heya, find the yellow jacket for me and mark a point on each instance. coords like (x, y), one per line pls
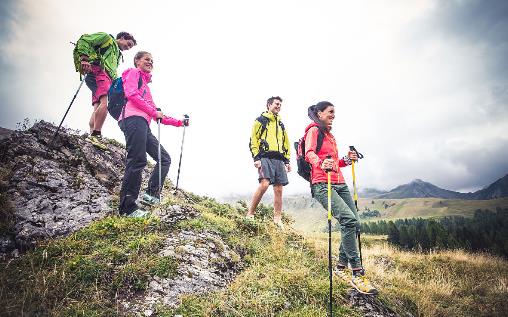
(269, 138)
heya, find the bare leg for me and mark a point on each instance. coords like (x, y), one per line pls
(263, 186)
(277, 202)
(92, 117)
(100, 113)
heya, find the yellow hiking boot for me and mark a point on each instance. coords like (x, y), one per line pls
(97, 142)
(362, 284)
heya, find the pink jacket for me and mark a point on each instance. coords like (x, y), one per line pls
(329, 147)
(139, 101)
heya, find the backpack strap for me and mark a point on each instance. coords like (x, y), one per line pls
(264, 121)
(320, 139)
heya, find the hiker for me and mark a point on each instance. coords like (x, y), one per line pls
(134, 121)
(269, 146)
(343, 207)
(97, 55)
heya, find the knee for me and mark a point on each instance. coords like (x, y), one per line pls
(165, 159)
(138, 161)
(263, 185)
(277, 190)
(349, 221)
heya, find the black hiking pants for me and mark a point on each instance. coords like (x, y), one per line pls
(139, 140)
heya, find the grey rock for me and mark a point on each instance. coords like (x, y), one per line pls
(197, 273)
(57, 190)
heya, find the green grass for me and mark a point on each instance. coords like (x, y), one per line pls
(86, 273)
(87, 270)
(443, 283)
(285, 277)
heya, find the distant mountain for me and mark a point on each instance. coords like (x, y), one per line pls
(420, 189)
(497, 189)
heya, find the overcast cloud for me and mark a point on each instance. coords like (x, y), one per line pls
(420, 87)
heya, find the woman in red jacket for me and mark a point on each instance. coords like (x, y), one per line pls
(343, 208)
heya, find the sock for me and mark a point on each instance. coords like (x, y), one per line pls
(341, 266)
(358, 272)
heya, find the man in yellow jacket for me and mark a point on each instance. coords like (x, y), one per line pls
(269, 146)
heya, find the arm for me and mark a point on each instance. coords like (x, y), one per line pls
(254, 140)
(172, 121)
(133, 94)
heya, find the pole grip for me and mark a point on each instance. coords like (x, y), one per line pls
(353, 149)
(328, 157)
(159, 119)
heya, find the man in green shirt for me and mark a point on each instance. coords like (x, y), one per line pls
(97, 55)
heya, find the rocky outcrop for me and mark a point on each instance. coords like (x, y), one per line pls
(370, 306)
(205, 263)
(55, 190)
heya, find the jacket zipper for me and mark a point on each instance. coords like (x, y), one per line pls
(277, 133)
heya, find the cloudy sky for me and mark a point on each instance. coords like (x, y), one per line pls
(420, 87)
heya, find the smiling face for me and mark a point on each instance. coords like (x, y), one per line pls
(145, 63)
(124, 44)
(274, 107)
(327, 115)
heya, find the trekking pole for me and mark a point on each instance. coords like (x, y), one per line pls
(159, 155)
(186, 117)
(69, 108)
(328, 172)
(355, 195)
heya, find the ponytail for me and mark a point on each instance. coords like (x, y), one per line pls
(313, 113)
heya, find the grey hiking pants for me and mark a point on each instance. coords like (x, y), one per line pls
(139, 140)
(344, 210)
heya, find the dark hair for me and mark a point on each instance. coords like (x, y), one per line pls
(126, 36)
(271, 100)
(139, 55)
(314, 109)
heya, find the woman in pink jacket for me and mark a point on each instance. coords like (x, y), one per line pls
(139, 111)
(343, 207)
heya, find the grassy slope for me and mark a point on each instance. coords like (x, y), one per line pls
(84, 274)
(429, 207)
(314, 219)
(445, 283)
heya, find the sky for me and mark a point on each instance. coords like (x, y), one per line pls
(420, 87)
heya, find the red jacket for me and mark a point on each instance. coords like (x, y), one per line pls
(329, 147)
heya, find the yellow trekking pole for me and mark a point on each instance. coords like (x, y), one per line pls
(355, 195)
(328, 172)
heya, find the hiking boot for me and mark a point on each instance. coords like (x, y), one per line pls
(139, 213)
(149, 200)
(362, 284)
(343, 272)
(97, 142)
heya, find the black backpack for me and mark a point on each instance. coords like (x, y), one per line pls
(116, 97)
(304, 168)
